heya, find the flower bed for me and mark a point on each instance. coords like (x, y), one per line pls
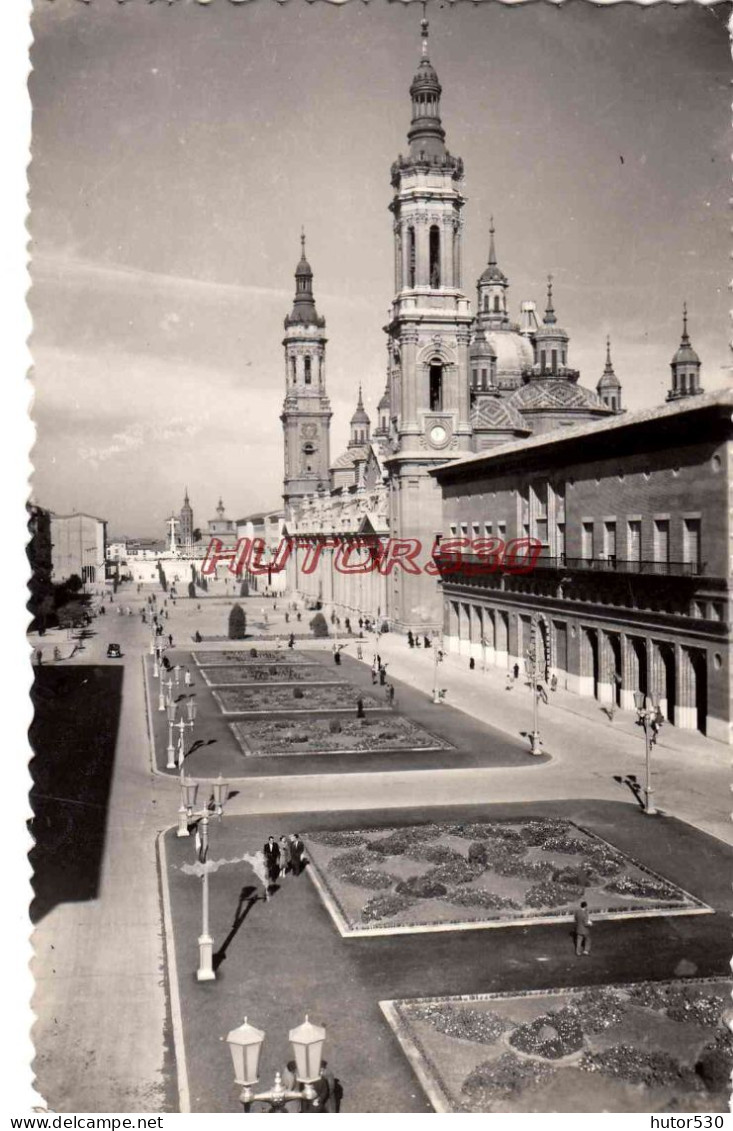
(252, 655)
(258, 674)
(270, 700)
(480, 873)
(535, 1051)
(281, 737)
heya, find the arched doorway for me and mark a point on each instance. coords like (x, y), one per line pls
(699, 665)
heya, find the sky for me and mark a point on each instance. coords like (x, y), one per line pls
(178, 149)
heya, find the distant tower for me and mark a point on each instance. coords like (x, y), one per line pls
(685, 367)
(306, 413)
(381, 432)
(551, 346)
(360, 425)
(609, 386)
(492, 289)
(220, 510)
(185, 527)
(501, 350)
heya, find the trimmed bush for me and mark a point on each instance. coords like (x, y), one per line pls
(318, 626)
(237, 623)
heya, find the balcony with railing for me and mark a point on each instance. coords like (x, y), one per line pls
(455, 562)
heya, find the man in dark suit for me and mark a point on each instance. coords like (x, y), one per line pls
(297, 849)
(272, 859)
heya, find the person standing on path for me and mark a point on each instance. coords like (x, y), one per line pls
(272, 860)
(297, 852)
(390, 694)
(286, 864)
(582, 930)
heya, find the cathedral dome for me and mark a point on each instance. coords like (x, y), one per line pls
(514, 354)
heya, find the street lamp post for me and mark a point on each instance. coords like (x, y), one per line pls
(437, 655)
(170, 751)
(245, 1045)
(164, 693)
(183, 725)
(534, 738)
(648, 713)
(189, 789)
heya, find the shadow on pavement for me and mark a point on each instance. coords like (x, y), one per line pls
(74, 737)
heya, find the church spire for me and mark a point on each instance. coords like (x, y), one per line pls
(304, 305)
(685, 366)
(426, 134)
(609, 386)
(550, 318)
(492, 247)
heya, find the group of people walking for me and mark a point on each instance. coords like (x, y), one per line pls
(283, 857)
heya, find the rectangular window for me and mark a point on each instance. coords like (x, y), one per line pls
(633, 551)
(561, 540)
(501, 529)
(453, 530)
(464, 530)
(475, 529)
(661, 539)
(488, 529)
(691, 541)
(541, 530)
(586, 541)
(609, 541)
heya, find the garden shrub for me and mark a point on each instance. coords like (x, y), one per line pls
(298, 693)
(641, 888)
(237, 623)
(505, 1076)
(523, 869)
(550, 895)
(318, 626)
(599, 1009)
(422, 887)
(655, 1069)
(334, 726)
(478, 897)
(456, 872)
(346, 838)
(382, 906)
(467, 1024)
(553, 1035)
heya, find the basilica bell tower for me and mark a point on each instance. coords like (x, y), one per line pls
(306, 414)
(429, 336)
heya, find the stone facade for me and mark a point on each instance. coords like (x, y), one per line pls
(632, 589)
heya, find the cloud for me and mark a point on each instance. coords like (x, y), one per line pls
(135, 437)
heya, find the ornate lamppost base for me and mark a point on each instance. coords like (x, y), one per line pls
(205, 972)
(182, 829)
(535, 741)
(171, 763)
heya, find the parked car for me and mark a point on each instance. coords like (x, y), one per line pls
(114, 652)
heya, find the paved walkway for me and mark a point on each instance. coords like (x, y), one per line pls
(99, 965)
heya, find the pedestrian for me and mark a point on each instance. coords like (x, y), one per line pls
(417, 642)
(337, 657)
(165, 613)
(360, 708)
(382, 675)
(272, 860)
(582, 929)
(509, 681)
(542, 692)
(553, 682)
(298, 616)
(286, 864)
(390, 694)
(197, 637)
(374, 675)
(287, 618)
(410, 640)
(359, 652)
(187, 677)
(297, 853)
(516, 671)
(326, 1091)
(170, 641)
(471, 664)
(361, 622)
(379, 660)
(56, 652)
(426, 641)
(347, 626)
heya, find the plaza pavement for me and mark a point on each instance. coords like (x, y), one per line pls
(100, 993)
(277, 961)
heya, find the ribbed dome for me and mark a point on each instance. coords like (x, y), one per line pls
(304, 267)
(360, 416)
(686, 353)
(426, 78)
(514, 353)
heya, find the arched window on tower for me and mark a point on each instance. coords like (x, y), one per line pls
(436, 386)
(497, 305)
(554, 361)
(307, 369)
(486, 303)
(434, 256)
(293, 373)
(308, 453)
(411, 257)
